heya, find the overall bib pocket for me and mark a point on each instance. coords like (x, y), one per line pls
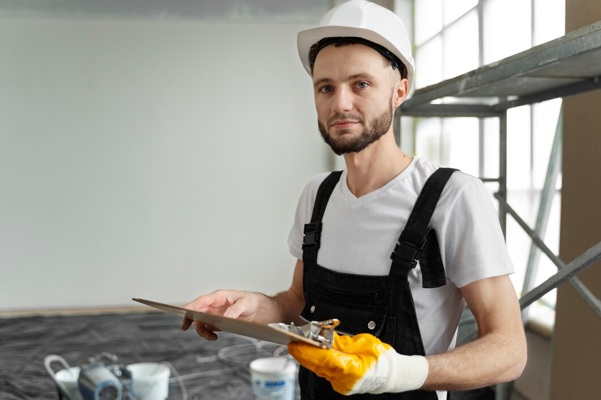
(355, 311)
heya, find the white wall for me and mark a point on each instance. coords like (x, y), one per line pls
(159, 159)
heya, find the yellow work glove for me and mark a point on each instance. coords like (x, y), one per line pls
(362, 364)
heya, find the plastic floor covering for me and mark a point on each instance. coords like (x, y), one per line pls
(199, 369)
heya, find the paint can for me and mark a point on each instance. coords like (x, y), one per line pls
(273, 378)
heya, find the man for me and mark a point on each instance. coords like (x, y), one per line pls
(351, 262)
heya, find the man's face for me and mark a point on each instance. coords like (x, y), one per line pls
(356, 92)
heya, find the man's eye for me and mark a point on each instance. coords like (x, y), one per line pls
(325, 89)
(362, 85)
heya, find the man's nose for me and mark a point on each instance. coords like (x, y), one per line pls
(343, 100)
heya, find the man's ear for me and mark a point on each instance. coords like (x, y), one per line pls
(401, 90)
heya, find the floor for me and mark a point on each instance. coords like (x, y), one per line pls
(199, 369)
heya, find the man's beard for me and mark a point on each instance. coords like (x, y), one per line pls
(378, 127)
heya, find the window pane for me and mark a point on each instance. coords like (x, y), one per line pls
(491, 147)
(427, 139)
(549, 20)
(507, 28)
(461, 46)
(460, 144)
(518, 245)
(428, 61)
(544, 125)
(428, 19)
(456, 8)
(518, 149)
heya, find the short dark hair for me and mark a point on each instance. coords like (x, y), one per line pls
(395, 62)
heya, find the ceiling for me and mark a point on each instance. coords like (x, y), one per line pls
(284, 11)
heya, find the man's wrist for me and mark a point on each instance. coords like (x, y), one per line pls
(406, 373)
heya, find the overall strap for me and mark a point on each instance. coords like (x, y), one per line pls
(418, 242)
(312, 230)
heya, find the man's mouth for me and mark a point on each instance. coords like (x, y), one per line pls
(343, 124)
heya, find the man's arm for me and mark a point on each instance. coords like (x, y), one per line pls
(250, 306)
(497, 355)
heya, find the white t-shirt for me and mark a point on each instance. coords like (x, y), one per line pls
(359, 235)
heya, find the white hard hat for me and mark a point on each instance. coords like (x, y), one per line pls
(365, 20)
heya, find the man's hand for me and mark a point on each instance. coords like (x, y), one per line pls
(250, 306)
(228, 303)
(362, 364)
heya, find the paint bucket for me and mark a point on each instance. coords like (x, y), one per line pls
(273, 378)
(151, 380)
(65, 379)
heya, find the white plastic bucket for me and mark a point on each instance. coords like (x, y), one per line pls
(66, 380)
(151, 380)
(273, 378)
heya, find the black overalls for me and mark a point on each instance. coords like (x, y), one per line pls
(380, 305)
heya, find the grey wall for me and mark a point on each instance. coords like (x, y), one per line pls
(152, 158)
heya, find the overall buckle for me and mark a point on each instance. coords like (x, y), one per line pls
(312, 236)
(405, 254)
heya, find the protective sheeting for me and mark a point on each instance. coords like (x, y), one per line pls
(199, 369)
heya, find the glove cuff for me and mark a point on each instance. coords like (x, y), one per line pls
(406, 373)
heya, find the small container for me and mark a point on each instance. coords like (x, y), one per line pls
(273, 378)
(151, 380)
(65, 379)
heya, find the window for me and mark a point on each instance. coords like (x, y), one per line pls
(452, 37)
